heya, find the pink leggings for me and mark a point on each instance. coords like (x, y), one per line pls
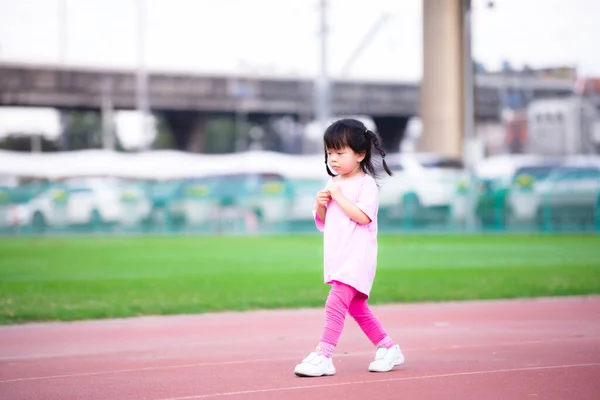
(344, 299)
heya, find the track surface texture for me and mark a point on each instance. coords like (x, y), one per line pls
(545, 348)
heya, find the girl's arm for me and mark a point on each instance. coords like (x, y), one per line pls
(351, 210)
(365, 209)
(321, 212)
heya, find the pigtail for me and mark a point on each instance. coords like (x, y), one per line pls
(376, 143)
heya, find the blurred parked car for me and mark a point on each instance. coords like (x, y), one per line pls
(93, 203)
(570, 196)
(261, 198)
(12, 198)
(160, 194)
(422, 187)
(494, 178)
(522, 196)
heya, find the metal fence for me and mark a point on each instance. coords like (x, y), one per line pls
(271, 204)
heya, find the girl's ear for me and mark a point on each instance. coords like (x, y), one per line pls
(361, 157)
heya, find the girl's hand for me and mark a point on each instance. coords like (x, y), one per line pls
(334, 190)
(323, 197)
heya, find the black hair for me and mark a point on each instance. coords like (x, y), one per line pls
(355, 135)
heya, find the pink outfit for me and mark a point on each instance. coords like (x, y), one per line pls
(350, 262)
(350, 249)
(344, 299)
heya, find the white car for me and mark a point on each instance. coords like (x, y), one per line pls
(568, 196)
(523, 196)
(501, 169)
(260, 199)
(492, 182)
(422, 188)
(86, 203)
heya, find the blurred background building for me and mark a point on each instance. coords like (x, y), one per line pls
(207, 111)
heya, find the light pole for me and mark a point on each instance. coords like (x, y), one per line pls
(468, 86)
(62, 32)
(63, 43)
(142, 75)
(469, 145)
(323, 84)
(107, 111)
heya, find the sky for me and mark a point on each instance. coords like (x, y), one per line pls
(276, 37)
(281, 37)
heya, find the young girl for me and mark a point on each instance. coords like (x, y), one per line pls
(346, 211)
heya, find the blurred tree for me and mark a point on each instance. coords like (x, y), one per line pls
(272, 138)
(164, 136)
(82, 130)
(24, 143)
(220, 135)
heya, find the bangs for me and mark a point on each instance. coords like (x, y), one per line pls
(335, 137)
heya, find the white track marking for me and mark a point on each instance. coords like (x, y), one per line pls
(408, 378)
(252, 361)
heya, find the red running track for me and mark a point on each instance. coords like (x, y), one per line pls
(516, 349)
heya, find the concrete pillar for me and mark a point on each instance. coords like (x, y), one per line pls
(442, 103)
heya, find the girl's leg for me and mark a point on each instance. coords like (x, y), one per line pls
(336, 307)
(368, 322)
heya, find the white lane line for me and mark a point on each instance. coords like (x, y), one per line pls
(253, 361)
(408, 378)
(40, 356)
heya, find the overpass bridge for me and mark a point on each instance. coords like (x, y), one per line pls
(187, 100)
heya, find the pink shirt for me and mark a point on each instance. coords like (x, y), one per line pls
(350, 249)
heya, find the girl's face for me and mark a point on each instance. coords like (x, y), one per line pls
(344, 161)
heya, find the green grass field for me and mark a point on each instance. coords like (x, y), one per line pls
(80, 278)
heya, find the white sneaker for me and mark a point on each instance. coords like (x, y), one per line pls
(315, 365)
(386, 359)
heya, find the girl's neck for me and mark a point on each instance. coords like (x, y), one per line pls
(353, 174)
